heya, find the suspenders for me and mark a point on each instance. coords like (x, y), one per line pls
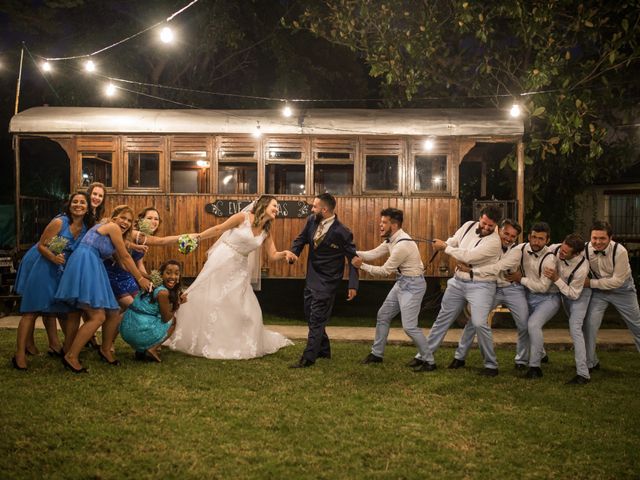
(575, 270)
(403, 240)
(613, 259)
(524, 274)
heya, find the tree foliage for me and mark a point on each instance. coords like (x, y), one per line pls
(572, 64)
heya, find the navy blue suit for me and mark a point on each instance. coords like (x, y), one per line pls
(325, 268)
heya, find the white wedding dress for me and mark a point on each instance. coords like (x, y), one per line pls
(222, 317)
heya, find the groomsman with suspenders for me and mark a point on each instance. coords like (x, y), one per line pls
(510, 294)
(568, 276)
(476, 244)
(406, 295)
(611, 283)
(542, 295)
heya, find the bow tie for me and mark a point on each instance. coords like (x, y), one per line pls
(504, 249)
(600, 252)
(533, 253)
(388, 240)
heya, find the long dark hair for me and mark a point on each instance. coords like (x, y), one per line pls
(100, 209)
(88, 219)
(259, 211)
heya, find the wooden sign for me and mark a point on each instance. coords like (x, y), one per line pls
(286, 208)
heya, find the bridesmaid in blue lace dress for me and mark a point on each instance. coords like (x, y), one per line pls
(150, 320)
(85, 285)
(40, 270)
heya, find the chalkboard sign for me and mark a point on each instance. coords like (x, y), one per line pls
(286, 208)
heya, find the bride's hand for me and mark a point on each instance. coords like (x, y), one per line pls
(290, 257)
(183, 298)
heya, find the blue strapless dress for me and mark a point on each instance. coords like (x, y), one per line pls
(37, 278)
(142, 326)
(85, 282)
(122, 282)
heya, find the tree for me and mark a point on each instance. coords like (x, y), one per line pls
(573, 65)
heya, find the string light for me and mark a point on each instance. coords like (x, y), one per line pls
(428, 144)
(89, 66)
(287, 111)
(46, 67)
(166, 35)
(515, 110)
(110, 90)
(257, 133)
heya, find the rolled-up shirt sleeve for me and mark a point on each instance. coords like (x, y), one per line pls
(399, 254)
(480, 254)
(620, 274)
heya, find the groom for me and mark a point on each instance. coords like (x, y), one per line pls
(329, 243)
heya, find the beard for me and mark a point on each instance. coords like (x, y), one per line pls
(318, 217)
(482, 233)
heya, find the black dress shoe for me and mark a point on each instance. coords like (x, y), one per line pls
(325, 356)
(534, 372)
(425, 367)
(595, 367)
(415, 362)
(578, 380)
(371, 358)
(456, 364)
(489, 372)
(14, 362)
(545, 359)
(520, 366)
(302, 363)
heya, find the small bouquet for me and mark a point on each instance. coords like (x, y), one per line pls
(156, 278)
(57, 244)
(187, 244)
(144, 226)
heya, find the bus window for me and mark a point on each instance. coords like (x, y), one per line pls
(97, 167)
(382, 173)
(285, 179)
(144, 170)
(238, 178)
(430, 174)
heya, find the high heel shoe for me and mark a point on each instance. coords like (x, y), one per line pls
(14, 362)
(53, 353)
(93, 344)
(67, 365)
(115, 363)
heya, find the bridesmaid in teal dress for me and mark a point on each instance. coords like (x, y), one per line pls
(41, 269)
(150, 320)
(85, 286)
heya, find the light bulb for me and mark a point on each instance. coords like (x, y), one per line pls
(428, 144)
(46, 66)
(110, 90)
(515, 110)
(257, 133)
(286, 111)
(89, 66)
(166, 35)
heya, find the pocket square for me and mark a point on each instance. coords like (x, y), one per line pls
(333, 245)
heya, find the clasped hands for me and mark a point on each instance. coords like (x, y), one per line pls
(290, 257)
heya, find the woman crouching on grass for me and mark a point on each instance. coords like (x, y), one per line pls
(85, 285)
(150, 320)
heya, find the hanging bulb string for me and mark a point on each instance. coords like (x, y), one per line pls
(119, 42)
(35, 63)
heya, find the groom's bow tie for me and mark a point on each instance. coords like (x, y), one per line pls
(600, 252)
(533, 253)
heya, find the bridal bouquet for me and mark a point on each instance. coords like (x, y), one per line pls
(57, 244)
(144, 226)
(156, 278)
(187, 244)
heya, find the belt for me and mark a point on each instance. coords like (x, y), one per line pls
(234, 248)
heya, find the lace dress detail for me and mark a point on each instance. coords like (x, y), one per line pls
(222, 317)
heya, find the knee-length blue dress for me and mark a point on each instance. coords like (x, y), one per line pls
(122, 282)
(142, 326)
(37, 278)
(85, 283)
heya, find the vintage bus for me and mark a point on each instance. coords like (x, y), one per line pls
(199, 166)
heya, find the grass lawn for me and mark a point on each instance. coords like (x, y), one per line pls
(195, 418)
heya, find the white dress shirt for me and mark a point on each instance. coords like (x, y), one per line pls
(605, 276)
(468, 247)
(508, 262)
(533, 272)
(565, 268)
(403, 255)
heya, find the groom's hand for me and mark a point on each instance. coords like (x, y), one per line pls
(351, 294)
(290, 257)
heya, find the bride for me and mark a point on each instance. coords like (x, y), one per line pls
(222, 317)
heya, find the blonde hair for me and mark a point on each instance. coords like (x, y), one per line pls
(260, 211)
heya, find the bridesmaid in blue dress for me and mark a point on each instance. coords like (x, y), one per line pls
(150, 320)
(40, 271)
(85, 286)
(124, 286)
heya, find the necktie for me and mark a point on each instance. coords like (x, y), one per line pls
(317, 238)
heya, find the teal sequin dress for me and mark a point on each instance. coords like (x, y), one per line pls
(142, 326)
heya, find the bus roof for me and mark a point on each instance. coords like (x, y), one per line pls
(437, 122)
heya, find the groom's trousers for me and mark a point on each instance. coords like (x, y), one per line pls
(317, 310)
